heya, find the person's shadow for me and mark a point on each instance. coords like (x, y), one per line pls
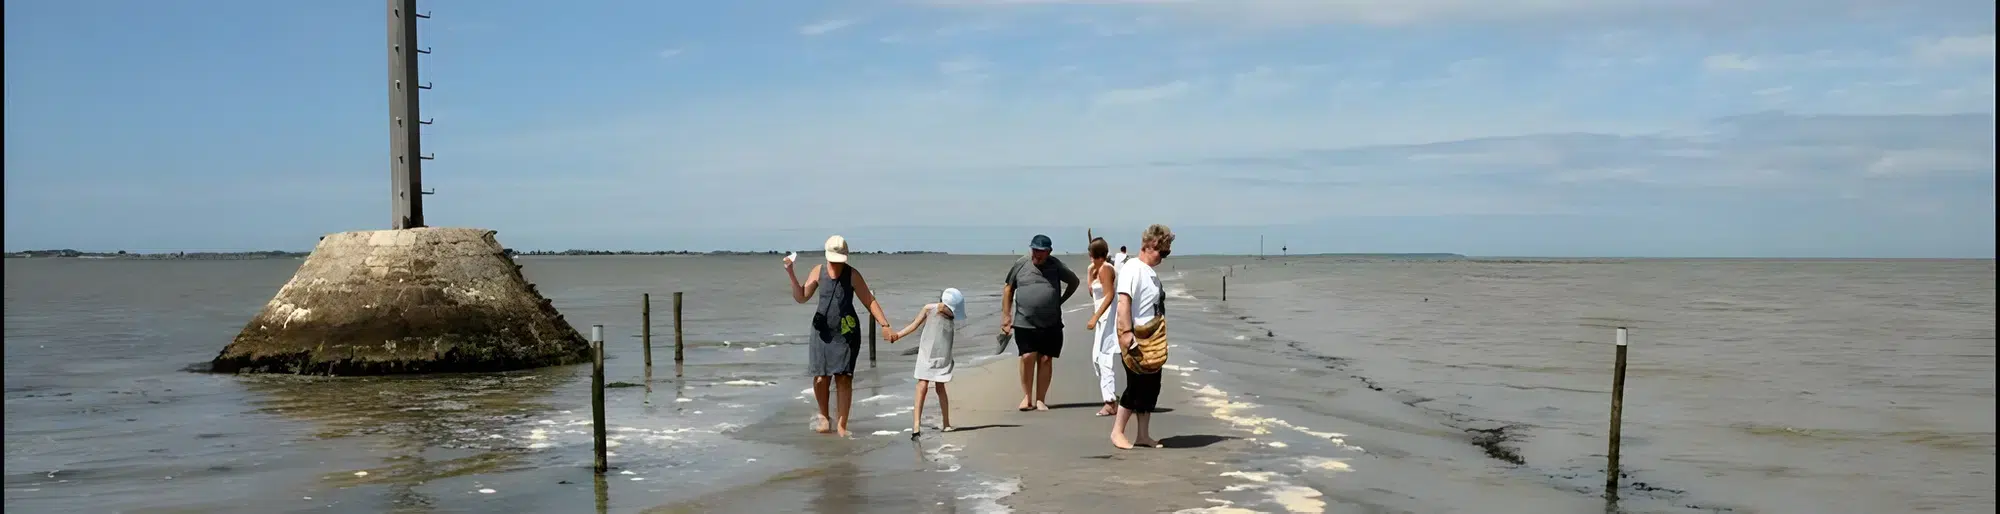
(1193, 441)
(983, 427)
(1078, 405)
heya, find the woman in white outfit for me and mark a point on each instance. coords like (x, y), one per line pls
(1104, 334)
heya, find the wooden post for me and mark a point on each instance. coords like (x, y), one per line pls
(871, 342)
(678, 355)
(597, 396)
(1225, 288)
(1617, 416)
(646, 328)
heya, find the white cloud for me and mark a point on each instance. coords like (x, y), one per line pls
(965, 69)
(1141, 95)
(671, 53)
(825, 26)
(1772, 91)
(1730, 62)
(1954, 48)
(1548, 13)
(1931, 161)
(1266, 81)
(968, 28)
(1115, 27)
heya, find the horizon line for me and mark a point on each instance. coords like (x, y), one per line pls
(705, 253)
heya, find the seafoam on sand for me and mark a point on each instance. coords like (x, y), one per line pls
(1275, 490)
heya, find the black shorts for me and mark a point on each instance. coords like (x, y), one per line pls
(1045, 341)
(1142, 391)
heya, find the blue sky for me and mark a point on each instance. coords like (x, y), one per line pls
(1753, 128)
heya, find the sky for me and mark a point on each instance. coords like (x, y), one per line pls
(1661, 128)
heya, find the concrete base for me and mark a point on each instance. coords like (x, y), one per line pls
(424, 300)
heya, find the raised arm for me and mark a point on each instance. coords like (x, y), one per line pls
(802, 292)
(868, 298)
(914, 324)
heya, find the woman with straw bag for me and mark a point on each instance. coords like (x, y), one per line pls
(1142, 336)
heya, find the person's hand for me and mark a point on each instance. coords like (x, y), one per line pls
(788, 263)
(1007, 326)
(1090, 325)
(893, 337)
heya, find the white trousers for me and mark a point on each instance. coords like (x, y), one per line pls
(1104, 358)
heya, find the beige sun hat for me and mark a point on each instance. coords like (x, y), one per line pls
(836, 249)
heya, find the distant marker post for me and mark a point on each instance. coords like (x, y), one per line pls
(597, 397)
(646, 327)
(1617, 416)
(678, 354)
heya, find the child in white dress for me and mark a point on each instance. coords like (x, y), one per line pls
(934, 362)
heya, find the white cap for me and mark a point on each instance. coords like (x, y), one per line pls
(836, 249)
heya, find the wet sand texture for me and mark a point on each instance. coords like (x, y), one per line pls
(422, 300)
(1063, 456)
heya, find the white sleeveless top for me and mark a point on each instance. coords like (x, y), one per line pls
(1098, 297)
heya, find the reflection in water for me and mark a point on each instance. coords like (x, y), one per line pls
(603, 489)
(839, 487)
(431, 427)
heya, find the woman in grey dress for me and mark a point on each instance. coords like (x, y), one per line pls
(836, 334)
(934, 362)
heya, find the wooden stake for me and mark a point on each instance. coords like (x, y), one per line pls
(646, 328)
(678, 355)
(1617, 416)
(597, 396)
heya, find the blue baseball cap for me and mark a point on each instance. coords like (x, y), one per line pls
(1041, 242)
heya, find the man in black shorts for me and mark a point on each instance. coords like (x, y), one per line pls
(1031, 303)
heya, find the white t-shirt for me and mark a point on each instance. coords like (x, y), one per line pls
(1118, 259)
(1138, 280)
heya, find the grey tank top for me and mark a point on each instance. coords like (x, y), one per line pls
(835, 320)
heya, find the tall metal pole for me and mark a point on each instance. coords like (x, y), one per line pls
(405, 149)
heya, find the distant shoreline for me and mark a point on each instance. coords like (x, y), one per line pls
(1488, 259)
(280, 254)
(209, 256)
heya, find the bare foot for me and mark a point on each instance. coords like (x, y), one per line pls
(1041, 405)
(947, 428)
(819, 424)
(1149, 443)
(845, 434)
(1107, 410)
(1025, 405)
(1119, 441)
